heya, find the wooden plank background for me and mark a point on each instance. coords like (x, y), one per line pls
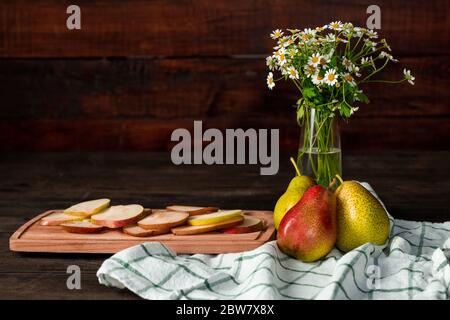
(139, 69)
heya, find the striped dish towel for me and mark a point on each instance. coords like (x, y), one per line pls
(412, 265)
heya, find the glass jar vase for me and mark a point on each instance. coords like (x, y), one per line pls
(319, 153)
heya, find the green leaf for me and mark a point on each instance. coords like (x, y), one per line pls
(309, 93)
(345, 110)
(300, 113)
(362, 97)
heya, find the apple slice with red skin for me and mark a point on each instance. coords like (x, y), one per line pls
(163, 220)
(83, 226)
(193, 211)
(119, 216)
(57, 218)
(249, 224)
(136, 231)
(188, 230)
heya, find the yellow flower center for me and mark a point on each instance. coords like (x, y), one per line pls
(348, 77)
(330, 77)
(314, 59)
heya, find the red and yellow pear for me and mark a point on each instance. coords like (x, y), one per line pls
(308, 230)
(294, 192)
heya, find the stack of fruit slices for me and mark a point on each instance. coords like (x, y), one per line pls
(96, 215)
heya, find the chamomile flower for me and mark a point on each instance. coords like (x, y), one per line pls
(270, 62)
(287, 43)
(293, 73)
(281, 56)
(349, 79)
(347, 63)
(330, 77)
(364, 60)
(310, 70)
(353, 110)
(330, 37)
(270, 82)
(317, 79)
(314, 60)
(384, 54)
(335, 25)
(276, 34)
(292, 52)
(324, 60)
(357, 32)
(372, 34)
(308, 34)
(408, 76)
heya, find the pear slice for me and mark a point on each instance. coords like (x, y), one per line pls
(83, 226)
(211, 218)
(58, 218)
(136, 231)
(163, 220)
(87, 208)
(249, 224)
(187, 230)
(193, 211)
(119, 216)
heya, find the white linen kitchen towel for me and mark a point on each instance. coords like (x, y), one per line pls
(414, 264)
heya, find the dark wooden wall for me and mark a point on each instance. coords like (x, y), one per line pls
(139, 69)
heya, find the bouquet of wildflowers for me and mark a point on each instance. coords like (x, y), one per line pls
(328, 65)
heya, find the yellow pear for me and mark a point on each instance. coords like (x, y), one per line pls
(361, 217)
(294, 192)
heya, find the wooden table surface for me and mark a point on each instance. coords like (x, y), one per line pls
(413, 185)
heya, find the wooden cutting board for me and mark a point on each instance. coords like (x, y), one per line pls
(32, 237)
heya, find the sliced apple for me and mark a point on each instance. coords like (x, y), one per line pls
(163, 220)
(58, 218)
(136, 231)
(211, 218)
(119, 216)
(193, 211)
(88, 208)
(83, 226)
(186, 230)
(248, 225)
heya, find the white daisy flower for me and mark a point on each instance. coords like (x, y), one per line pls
(357, 32)
(270, 62)
(281, 56)
(347, 63)
(292, 52)
(310, 70)
(330, 37)
(324, 60)
(353, 110)
(331, 77)
(348, 77)
(336, 25)
(293, 73)
(409, 76)
(309, 31)
(276, 34)
(384, 54)
(287, 43)
(372, 34)
(364, 60)
(270, 82)
(317, 79)
(314, 60)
